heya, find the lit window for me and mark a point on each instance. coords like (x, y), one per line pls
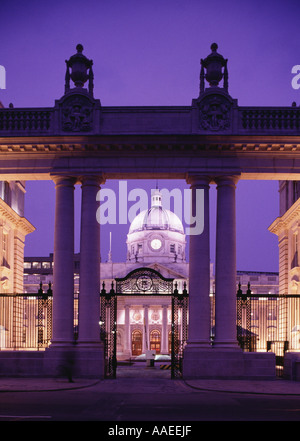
(5, 250)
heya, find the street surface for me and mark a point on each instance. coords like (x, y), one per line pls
(155, 399)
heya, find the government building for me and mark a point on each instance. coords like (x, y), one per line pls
(210, 319)
(155, 240)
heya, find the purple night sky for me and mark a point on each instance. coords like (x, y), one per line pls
(148, 53)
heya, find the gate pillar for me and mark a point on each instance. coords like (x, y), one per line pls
(198, 342)
(59, 358)
(89, 284)
(63, 275)
(90, 356)
(225, 316)
(199, 269)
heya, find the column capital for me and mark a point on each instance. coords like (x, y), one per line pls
(65, 180)
(230, 180)
(198, 180)
(92, 179)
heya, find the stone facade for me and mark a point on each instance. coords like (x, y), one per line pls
(13, 229)
(286, 227)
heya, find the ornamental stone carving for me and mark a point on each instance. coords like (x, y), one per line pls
(77, 115)
(215, 113)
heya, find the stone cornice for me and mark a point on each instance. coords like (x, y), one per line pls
(283, 223)
(18, 222)
(259, 144)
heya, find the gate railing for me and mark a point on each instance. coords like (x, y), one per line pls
(265, 322)
(26, 320)
(268, 323)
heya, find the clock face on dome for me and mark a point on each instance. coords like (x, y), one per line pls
(156, 244)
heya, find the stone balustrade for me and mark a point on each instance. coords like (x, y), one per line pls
(25, 120)
(156, 120)
(267, 119)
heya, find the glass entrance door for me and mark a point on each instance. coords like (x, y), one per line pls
(155, 341)
(136, 342)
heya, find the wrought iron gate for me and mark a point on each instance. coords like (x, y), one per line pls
(179, 336)
(141, 282)
(108, 330)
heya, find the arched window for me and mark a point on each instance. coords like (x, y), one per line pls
(155, 340)
(136, 342)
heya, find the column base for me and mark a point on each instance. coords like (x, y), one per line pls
(228, 364)
(75, 361)
(227, 345)
(23, 364)
(198, 345)
(125, 355)
(291, 369)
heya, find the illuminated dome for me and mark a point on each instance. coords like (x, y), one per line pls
(156, 217)
(156, 234)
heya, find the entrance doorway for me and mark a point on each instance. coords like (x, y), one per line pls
(155, 341)
(136, 342)
(134, 284)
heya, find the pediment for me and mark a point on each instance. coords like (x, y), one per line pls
(167, 271)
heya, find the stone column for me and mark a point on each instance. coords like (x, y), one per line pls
(127, 348)
(164, 337)
(63, 274)
(89, 283)
(146, 344)
(199, 266)
(225, 312)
